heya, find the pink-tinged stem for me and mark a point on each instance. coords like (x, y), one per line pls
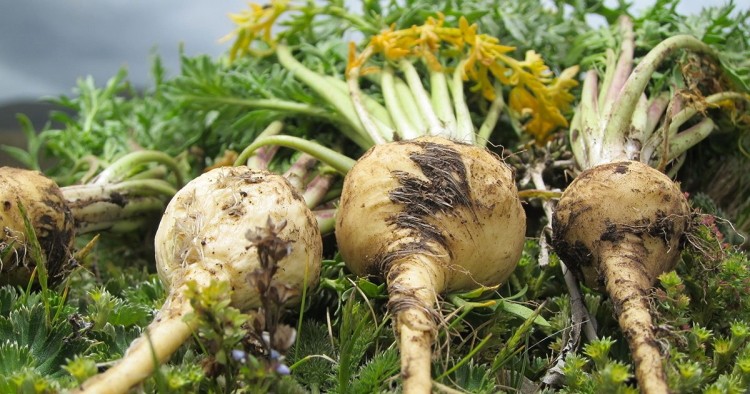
(624, 65)
(300, 170)
(326, 219)
(262, 157)
(655, 111)
(618, 124)
(317, 189)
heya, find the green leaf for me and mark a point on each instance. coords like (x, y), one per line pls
(107, 308)
(371, 290)
(112, 341)
(523, 312)
(372, 376)
(13, 357)
(473, 377)
(356, 334)
(8, 297)
(20, 155)
(48, 345)
(313, 341)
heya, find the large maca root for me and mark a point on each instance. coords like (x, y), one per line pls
(429, 215)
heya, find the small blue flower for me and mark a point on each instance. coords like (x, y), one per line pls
(239, 355)
(282, 369)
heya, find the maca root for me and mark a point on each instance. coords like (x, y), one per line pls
(50, 218)
(429, 215)
(619, 226)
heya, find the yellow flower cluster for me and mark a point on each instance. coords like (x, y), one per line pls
(255, 24)
(536, 95)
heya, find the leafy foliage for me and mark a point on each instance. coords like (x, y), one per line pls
(32, 347)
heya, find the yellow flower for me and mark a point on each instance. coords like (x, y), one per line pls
(486, 56)
(253, 24)
(560, 88)
(536, 95)
(543, 105)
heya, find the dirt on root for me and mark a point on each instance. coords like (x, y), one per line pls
(444, 189)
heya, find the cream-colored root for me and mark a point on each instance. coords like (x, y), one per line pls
(162, 338)
(628, 287)
(412, 289)
(416, 351)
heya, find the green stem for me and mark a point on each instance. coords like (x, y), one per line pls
(342, 103)
(283, 106)
(464, 127)
(622, 110)
(545, 195)
(590, 131)
(124, 166)
(40, 259)
(688, 112)
(490, 120)
(404, 127)
(326, 220)
(511, 346)
(640, 119)
(422, 98)
(376, 109)
(360, 23)
(352, 83)
(613, 85)
(466, 358)
(158, 172)
(152, 187)
(677, 121)
(123, 226)
(333, 192)
(91, 162)
(465, 307)
(336, 160)
(689, 138)
(409, 105)
(441, 99)
(577, 138)
(311, 357)
(656, 109)
(107, 215)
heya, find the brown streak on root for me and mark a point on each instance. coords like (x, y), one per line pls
(445, 189)
(622, 168)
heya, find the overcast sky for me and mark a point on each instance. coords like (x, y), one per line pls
(46, 45)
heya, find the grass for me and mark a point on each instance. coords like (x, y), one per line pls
(346, 344)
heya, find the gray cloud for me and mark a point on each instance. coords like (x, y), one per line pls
(45, 45)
